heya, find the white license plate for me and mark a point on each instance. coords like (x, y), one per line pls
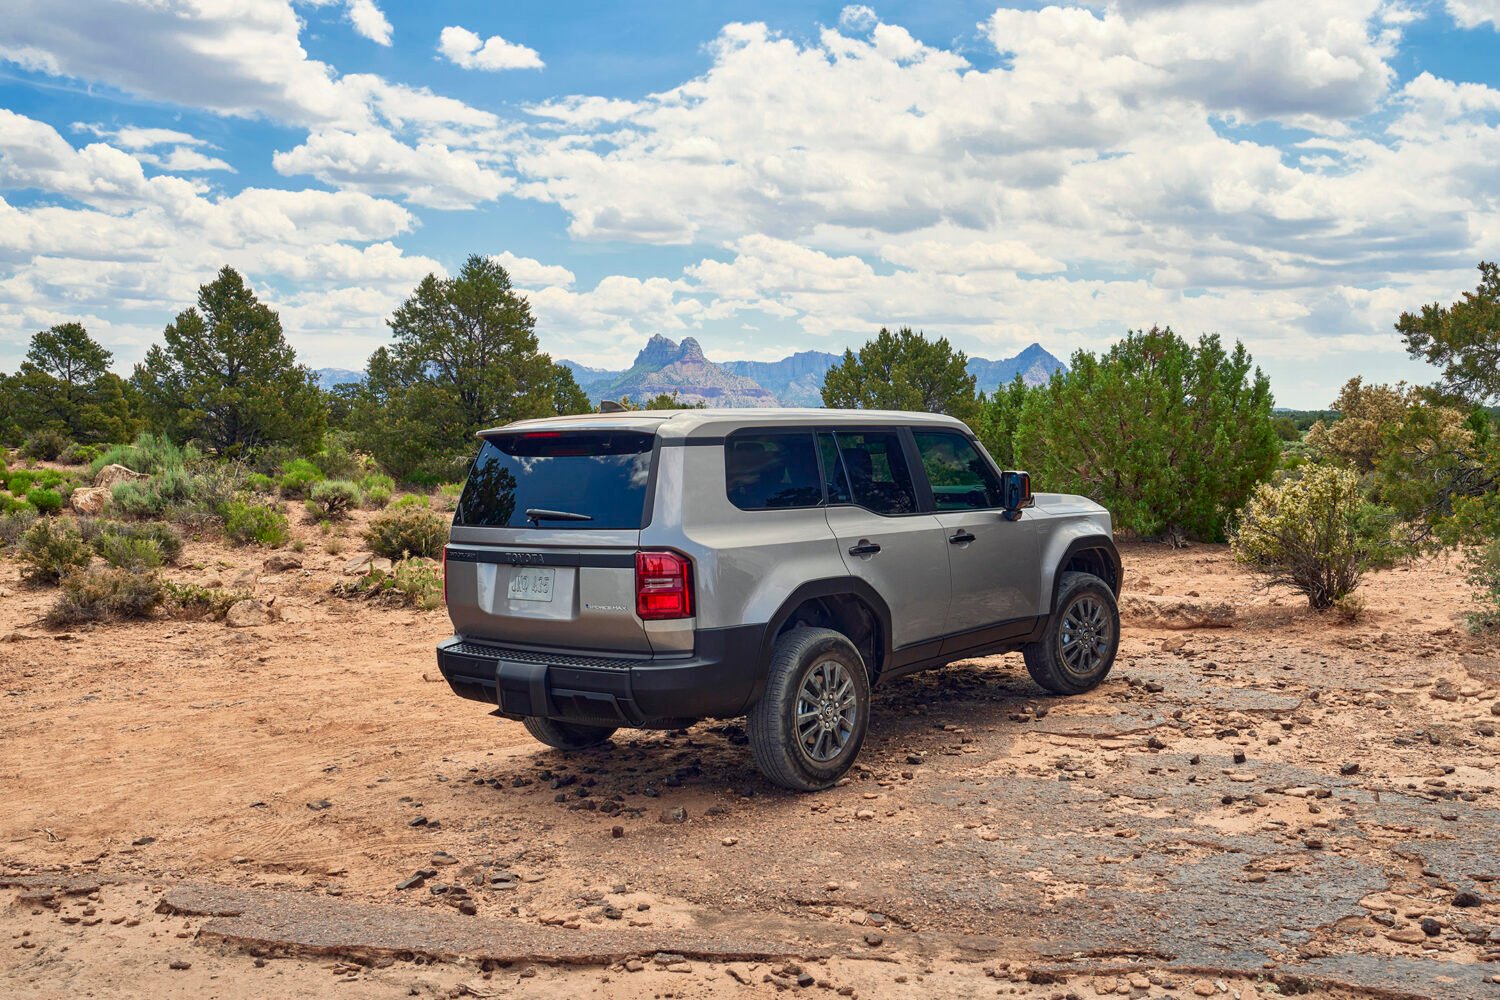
(531, 584)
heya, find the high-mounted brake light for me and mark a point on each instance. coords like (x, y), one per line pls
(663, 586)
(541, 434)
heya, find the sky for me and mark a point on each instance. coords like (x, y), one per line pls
(765, 177)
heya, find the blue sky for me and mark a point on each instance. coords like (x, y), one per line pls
(766, 177)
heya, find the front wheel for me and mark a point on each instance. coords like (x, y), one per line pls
(1078, 648)
(808, 727)
(566, 735)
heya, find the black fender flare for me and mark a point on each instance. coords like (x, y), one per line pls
(1087, 543)
(833, 586)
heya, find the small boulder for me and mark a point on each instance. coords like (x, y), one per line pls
(107, 477)
(281, 562)
(247, 614)
(380, 565)
(357, 564)
(90, 501)
(1175, 613)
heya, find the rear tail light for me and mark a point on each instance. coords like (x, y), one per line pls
(663, 586)
(445, 574)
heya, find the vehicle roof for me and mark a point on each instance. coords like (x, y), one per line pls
(716, 422)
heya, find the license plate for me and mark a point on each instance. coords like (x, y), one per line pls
(531, 584)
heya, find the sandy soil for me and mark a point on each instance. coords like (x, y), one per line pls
(1288, 795)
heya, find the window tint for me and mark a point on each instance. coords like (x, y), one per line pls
(961, 478)
(599, 474)
(771, 471)
(876, 471)
(834, 479)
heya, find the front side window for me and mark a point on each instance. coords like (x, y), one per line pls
(766, 471)
(568, 479)
(874, 467)
(961, 478)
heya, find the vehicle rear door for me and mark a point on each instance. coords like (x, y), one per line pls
(884, 537)
(564, 574)
(992, 561)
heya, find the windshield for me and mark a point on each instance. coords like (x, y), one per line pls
(600, 476)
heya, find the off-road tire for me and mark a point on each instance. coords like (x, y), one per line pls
(807, 661)
(1078, 649)
(566, 735)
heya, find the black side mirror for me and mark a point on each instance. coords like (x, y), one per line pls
(1015, 494)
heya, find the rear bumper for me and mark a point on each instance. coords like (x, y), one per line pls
(715, 681)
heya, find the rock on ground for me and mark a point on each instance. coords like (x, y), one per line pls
(107, 477)
(90, 501)
(1175, 613)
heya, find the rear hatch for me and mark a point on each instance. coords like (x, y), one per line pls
(544, 541)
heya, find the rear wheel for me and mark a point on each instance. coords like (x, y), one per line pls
(567, 735)
(1078, 649)
(808, 727)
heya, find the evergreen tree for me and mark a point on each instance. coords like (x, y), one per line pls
(464, 357)
(903, 371)
(1172, 438)
(65, 385)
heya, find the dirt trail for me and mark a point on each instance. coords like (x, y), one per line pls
(1286, 796)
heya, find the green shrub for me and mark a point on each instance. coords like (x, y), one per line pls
(414, 581)
(165, 494)
(1316, 534)
(255, 524)
(51, 549)
(79, 454)
(14, 524)
(411, 500)
(333, 499)
(338, 459)
(449, 492)
(406, 531)
(298, 476)
(19, 481)
(166, 538)
(191, 601)
(130, 553)
(378, 489)
(106, 593)
(260, 483)
(1482, 568)
(44, 500)
(45, 446)
(149, 453)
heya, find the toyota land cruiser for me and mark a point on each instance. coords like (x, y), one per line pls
(654, 568)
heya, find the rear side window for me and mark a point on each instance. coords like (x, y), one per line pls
(873, 466)
(597, 479)
(961, 479)
(764, 471)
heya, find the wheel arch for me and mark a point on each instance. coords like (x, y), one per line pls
(845, 604)
(1094, 554)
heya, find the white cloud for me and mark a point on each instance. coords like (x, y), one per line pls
(185, 161)
(370, 21)
(464, 48)
(375, 162)
(858, 17)
(1474, 13)
(578, 110)
(528, 273)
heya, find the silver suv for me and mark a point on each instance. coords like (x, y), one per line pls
(653, 568)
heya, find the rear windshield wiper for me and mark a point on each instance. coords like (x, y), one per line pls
(542, 514)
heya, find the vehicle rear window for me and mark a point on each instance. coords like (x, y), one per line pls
(771, 471)
(600, 476)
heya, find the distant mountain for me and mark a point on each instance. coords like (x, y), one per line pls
(665, 366)
(796, 380)
(1035, 365)
(327, 378)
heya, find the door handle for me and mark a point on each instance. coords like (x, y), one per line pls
(864, 549)
(961, 537)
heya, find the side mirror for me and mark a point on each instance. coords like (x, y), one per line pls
(1015, 494)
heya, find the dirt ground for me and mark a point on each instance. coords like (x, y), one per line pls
(1288, 804)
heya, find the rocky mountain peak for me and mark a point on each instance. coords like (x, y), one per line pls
(660, 351)
(689, 350)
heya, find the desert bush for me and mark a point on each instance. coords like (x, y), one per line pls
(333, 499)
(338, 459)
(45, 445)
(149, 453)
(51, 549)
(79, 454)
(298, 477)
(406, 531)
(45, 501)
(260, 483)
(378, 489)
(414, 581)
(166, 538)
(1482, 568)
(191, 601)
(14, 524)
(1316, 534)
(130, 553)
(106, 593)
(247, 523)
(418, 501)
(163, 495)
(18, 481)
(1171, 436)
(449, 494)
